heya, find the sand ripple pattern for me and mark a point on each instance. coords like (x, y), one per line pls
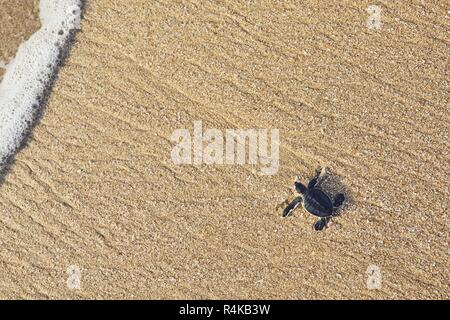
(96, 187)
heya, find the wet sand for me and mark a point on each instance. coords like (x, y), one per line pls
(96, 187)
(19, 20)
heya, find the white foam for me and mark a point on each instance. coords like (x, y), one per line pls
(28, 76)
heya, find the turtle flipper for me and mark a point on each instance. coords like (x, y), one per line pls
(321, 224)
(317, 178)
(291, 207)
(338, 200)
(312, 183)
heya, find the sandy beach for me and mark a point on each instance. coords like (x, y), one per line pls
(96, 189)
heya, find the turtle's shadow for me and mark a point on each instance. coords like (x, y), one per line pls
(332, 184)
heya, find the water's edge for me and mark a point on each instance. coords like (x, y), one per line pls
(29, 78)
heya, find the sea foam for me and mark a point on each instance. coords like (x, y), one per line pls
(29, 75)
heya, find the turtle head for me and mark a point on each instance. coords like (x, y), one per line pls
(300, 187)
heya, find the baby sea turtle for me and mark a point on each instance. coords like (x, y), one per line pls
(315, 201)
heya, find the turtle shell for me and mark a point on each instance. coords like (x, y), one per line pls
(316, 202)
